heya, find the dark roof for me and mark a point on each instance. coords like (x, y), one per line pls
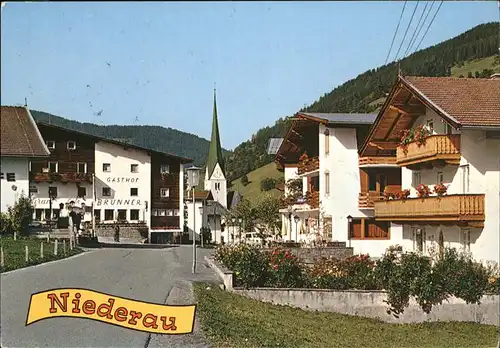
(199, 195)
(470, 102)
(340, 118)
(20, 135)
(116, 142)
(215, 151)
(219, 208)
(233, 198)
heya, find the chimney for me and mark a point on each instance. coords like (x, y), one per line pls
(495, 76)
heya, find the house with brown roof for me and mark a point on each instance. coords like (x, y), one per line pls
(20, 142)
(444, 134)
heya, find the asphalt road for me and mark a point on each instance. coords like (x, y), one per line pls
(152, 275)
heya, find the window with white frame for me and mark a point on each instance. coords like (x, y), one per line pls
(53, 167)
(71, 145)
(430, 126)
(327, 141)
(419, 237)
(465, 178)
(165, 168)
(134, 214)
(134, 168)
(440, 178)
(81, 167)
(448, 129)
(465, 239)
(106, 167)
(51, 144)
(327, 183)
(416, 178)
(106, 191)
(11, 176)
(164, 192)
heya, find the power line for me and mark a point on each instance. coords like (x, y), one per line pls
(423, 23)
(406, 32)
(413, 38)
(399, 22)
(432, 20)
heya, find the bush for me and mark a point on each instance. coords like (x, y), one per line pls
(285, 269)
(20, 215)
(267, 184)
(5, 224)
(244, 180)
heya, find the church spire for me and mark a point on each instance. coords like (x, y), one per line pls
(215, 151)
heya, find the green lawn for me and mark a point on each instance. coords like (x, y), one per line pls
(475, 65)
(230, 320)
(252, 190)
(15, 257)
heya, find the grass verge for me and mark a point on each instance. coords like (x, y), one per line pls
(231, 320)
(15, 257)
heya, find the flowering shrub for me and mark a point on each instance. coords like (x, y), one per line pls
(418, 134)
(403, 194)
(389, 194)
(423, 191)
(440, 189)
(285, 270)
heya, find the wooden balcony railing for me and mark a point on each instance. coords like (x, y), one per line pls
(312, 199)
(308, 165)
(367, 199)
(61, 177)
(464, 208)
(376, 160)
(165, 222)
(437, 147)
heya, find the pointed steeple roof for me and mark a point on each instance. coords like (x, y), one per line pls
(215, 152)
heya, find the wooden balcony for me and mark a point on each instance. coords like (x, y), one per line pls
(61, 177)
(367, 199)
(312, 199)
(463, 208)
(165, 222)
(444, 149)
(380, 160)
(308, 165)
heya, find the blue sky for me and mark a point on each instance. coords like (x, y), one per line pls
(268, 59)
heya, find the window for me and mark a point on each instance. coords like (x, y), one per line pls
(81, 167)
(53, 167)
(134, 191)
(29, 166)
(465, 178)
(38, 214)
(416, 178)
(419, 239)
(165, 168)
(106, 167)
(108, 214)
(441, 243)
(51, 144)
(440, 178)
(430, 125)
(217, 186)
(97, 215)
(122, 214)
(53, 191)
(11, 176)
(164, 192)
(106, 191)
(465, 239)
(327, 141)
(134, 168)
(448, 129)
(71, 145)
(82, 191)
(1, 176)
(33, 189)
(134, 214)
(327, 183)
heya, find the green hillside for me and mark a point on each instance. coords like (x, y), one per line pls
(367, 91)
(490, 64)
(252, 190)
(153, 137)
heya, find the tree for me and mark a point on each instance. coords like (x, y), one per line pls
(244, 211)
(21, 214)
(244, 180)
(267, 184)
(267, 211)
(469, 75)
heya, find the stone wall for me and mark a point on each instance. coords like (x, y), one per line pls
(371, 304)
(129, 233)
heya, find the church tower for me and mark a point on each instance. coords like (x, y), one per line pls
(215, 176)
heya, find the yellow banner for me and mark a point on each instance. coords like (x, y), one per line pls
(114, 310)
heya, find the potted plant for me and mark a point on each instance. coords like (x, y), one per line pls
(388, 195)
(403, 194)
(418, 134)
(440, 189)
(423, 191)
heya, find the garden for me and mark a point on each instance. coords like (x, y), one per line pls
(429, 279)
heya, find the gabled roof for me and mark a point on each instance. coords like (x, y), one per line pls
(339, 118)
(470, 102)
(20, 135)
(199, 195)
(116, 142)
(215, 151)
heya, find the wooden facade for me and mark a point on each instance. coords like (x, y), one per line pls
(302, 137)
(437, 150)
(369, 228)
(458, 209)
(168, 179)
(308, 165)
(374, 181)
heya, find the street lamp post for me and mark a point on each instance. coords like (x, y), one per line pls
(349, 220)
(296, 219)
(193, 181)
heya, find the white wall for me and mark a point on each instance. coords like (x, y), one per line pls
(218, 192)
(120, 179)
(19, 166)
